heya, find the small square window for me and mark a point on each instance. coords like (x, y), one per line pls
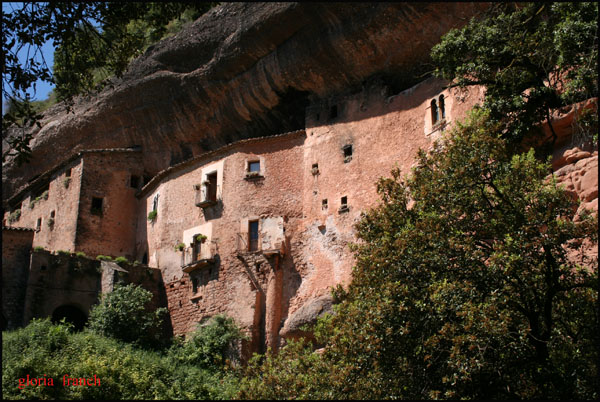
(254, 166)
(68, 173)
(134, 181)
(96, 206)
(324, 204)
(344, 201)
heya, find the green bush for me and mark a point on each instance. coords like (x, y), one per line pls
(122, 314)
(39, 248)
(179, 247)
(101, 257)
(63, 253)
(80, 254)
(125, 372)
(212, 346)
(121, 260)
(66, 182)
(14, 216)
(152, 216)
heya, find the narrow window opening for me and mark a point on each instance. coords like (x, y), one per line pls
(155, 202)
(347, 153)
(333, 112)
(197, 249)
(442, 107)
(194, 284)
(324, 204)
(211, 187)
(52, 214)
(134, 182)
(315, 169)
(68, 173)
(344, 202)
(38, 224)
(434, 112)
(145, 259)
(96, 206)
(252, 235)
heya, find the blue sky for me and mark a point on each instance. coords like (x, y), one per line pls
(42, 88)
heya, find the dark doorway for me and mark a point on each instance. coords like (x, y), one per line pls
(71, 315)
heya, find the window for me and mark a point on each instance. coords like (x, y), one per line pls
(252, 235)
(197, 249)
(333, 112)
(254, 166)
(68, 173)
(155, 202)
(96, 206)
(442, 107)
(38, 224)
(344, 205)
(324, 204)
(347, 153)
(134, 182)
(211, 187)
(434, 112)
(315, 169)
(194, 284)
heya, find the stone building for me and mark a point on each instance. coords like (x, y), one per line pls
(257, 229)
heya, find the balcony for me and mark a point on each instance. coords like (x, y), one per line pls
(207, 195)
(246, 246)
(193, 258)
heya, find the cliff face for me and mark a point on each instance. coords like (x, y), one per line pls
(243, 70)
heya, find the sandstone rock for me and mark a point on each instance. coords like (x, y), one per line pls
(242, 70)
(306, 315)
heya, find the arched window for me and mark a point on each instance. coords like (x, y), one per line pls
(442, 107)
(434, 112)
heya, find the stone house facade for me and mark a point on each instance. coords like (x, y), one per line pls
(258, 229)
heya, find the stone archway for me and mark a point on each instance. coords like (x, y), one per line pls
(71, 314)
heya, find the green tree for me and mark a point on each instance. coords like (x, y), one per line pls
(93, 40)
(465, 286)
(122, 314)
(214, 345)
(532, 58)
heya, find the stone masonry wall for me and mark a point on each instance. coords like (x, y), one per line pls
(16, 247)
(111, 231)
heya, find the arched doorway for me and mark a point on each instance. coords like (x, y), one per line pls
(72, 315)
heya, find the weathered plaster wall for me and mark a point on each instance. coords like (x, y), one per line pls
(16, 247)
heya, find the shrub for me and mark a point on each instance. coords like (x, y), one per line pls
(80, 254)
(121, 260)
(39, 248)
(50, 222)
(152, 216)
(104, 257)
(212, 346)
(66, 182)
(14, 216)
(63, 253)
(122, 315)
(180, 247)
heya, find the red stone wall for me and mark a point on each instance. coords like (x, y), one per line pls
(62, 199)
(107, 175)
(225, 286)
(16, 247)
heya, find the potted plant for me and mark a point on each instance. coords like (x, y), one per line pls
(201, 238)
(180, 247)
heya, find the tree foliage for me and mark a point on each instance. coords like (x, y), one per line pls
(93, 41)
(532, 58)
(123, 314)
(464, 285)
